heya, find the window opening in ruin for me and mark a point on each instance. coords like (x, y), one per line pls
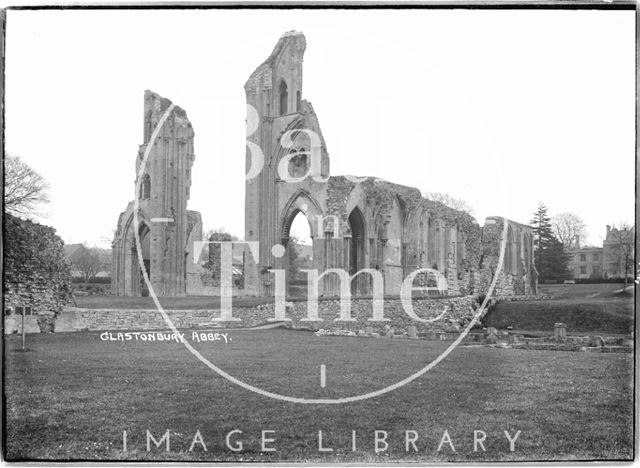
(145, 187)
(299, 256)
(284, 97)
(298, 165)
(360, 285)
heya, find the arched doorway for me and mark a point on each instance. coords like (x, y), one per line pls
(300, 221)
(299, 254)
(356, 252)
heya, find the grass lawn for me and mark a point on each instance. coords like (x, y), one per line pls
(585, 308)
(583, 291)
(72, 395)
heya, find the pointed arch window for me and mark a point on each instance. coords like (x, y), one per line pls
(145, 187)
(284, 97)
(298, 165)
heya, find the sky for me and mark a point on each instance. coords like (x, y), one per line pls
(504, 109)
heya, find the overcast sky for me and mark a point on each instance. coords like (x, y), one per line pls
(501, 108)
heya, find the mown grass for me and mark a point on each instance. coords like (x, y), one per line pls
(72, 395)
(581, 291)
(585, 308)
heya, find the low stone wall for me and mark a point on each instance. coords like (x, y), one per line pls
(456, 313)
(74, 319)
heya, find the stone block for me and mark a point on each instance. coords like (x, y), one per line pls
(70, 321)
(13, 324)
(491, 339)
(412, 332)
(560, 331)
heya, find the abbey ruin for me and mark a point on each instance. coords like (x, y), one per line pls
(355, 223)
(166, 229)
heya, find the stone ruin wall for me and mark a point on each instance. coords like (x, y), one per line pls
(458, 312)
(400, 231)
(162, 191)
(396, 231)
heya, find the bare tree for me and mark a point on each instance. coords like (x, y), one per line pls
(87, 261)
(448, 200)
(622, 246)
(24, 188)
(568, 229)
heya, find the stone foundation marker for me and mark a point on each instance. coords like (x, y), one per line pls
(560, 331)
(492, 335)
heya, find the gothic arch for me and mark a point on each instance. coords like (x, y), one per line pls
(128, 261)
(356, 247)
(283, 97)
(296, 124)
(145, 187)
(300, 201)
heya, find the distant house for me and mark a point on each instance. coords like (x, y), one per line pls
(597, 262)
(614, 264)
(586, 263)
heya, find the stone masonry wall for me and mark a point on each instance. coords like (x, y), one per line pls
(459, 311)
(36, 271)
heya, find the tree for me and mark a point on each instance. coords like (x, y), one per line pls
(622, 249)
(212, 252)
(448, 200)
(293, 267)
(24, 188)
(568, 229)
(554, 262)
(541, 225)
(87, 261)
(549, 256)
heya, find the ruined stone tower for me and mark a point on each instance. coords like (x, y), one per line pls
(274, 96)
(166, 228)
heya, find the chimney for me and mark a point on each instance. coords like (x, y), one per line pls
(608, 230)
(577, 241)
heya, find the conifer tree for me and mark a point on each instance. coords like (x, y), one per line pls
(550, 259)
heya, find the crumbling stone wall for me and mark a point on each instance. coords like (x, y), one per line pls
(36, 271)
(166, 229)
(518, 275)
(458, 312)
(357, 223)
